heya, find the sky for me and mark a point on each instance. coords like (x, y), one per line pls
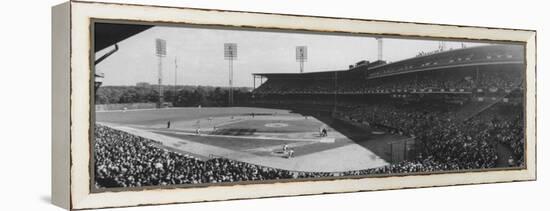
(200, 56)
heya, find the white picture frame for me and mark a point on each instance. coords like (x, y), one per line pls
(71, 68)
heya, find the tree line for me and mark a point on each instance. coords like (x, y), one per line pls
(182, 97)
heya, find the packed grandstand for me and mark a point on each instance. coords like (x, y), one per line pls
(458, 106)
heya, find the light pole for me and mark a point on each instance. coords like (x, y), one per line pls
(161, 52)
(230, 54)
(301, 56)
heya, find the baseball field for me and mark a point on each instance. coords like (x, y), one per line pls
(257, 136)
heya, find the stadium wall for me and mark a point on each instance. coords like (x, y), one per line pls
(124, 106)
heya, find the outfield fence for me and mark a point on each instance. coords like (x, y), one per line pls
(124, 106)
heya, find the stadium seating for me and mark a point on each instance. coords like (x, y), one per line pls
(459, 105)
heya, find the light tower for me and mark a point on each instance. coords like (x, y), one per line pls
(380, 48)
(161, 52)
(175, 80)
(230, 54)
(301, 56)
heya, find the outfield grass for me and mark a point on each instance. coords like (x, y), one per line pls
(156, 116)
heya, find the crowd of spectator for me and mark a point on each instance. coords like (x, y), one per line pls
(495, 79)
(505, 124)
(444, 139)
(409, 166)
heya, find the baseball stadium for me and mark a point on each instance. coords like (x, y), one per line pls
(448, 110)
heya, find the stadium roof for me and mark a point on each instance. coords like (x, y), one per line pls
(485, 49)
(475, 49)
(302, 75)
(108, 34)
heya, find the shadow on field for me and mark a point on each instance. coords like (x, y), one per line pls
(377, 144)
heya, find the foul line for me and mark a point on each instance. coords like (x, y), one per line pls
(325, 140)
